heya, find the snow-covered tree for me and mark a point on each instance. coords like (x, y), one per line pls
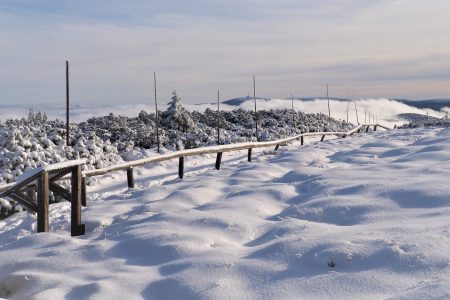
(176, 116)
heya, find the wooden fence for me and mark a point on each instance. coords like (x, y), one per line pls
(32, 192)
(219, 150)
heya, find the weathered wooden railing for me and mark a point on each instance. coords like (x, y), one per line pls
(78, 194)
(219, 150)
(32, 192)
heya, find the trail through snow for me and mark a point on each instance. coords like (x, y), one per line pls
(365, 217)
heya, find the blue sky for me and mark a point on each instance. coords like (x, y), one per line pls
(384, 48)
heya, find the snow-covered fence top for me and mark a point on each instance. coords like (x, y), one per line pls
(47, 168)
(201, 151)
(205, 150)
(217, 149)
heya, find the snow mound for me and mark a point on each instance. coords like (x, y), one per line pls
(358, 218)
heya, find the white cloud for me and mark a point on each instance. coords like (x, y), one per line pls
(374, 48)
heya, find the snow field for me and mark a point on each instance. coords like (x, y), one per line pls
(364, 217)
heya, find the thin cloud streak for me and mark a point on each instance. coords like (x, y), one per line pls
(378, 48)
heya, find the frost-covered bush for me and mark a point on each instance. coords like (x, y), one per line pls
(416, 120)
(103, 141)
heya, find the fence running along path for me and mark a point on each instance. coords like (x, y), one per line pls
(32, 192)
(42, 180)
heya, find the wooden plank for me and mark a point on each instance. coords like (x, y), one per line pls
(83, 192)
(181, 167)
(76, 227)
(199, 151)
(64, 165)
(23, 183)
(130, 177)
(31, 194)
(42, 203)
(60, 191)
(16, 196)
(218, 160)
(249, 155)
(60, 174)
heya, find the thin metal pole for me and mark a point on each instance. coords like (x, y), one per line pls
(329, 111)
(348, 104)
(292, 102)
(157, 117)
(256, 113)
(293, 112)
(356, 110)
(218, 117)
(67, 104)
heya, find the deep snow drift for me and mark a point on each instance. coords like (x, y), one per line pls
(365, 217)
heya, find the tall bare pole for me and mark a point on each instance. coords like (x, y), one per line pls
(156, 110)
(348, 105)
(67, 104)
(218, 117)
(256, 113)
(292, 102)
(356, 110)
(293, 112)
(329, 111)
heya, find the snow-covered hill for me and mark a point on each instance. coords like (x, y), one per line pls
(365, 217)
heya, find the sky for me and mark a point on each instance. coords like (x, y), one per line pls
(366, 48)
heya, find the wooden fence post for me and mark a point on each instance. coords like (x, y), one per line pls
(76, 227)
(323, 137)
(31, 195)
(42, 203)
(181, 167)
(83, 192)
(301, 140)
(249, 156)
(375, 128)
(218, 160)
(130, 178)
(367, 128)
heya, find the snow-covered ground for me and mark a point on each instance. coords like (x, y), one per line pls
(365, 217)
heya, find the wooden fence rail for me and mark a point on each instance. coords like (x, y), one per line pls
(43, 180)
(219, 150)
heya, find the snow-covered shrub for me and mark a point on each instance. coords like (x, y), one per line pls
(417, 120)
(103, 141)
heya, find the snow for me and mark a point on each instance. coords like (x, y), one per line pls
(364, 217)
(107, 141)
(64, 165)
